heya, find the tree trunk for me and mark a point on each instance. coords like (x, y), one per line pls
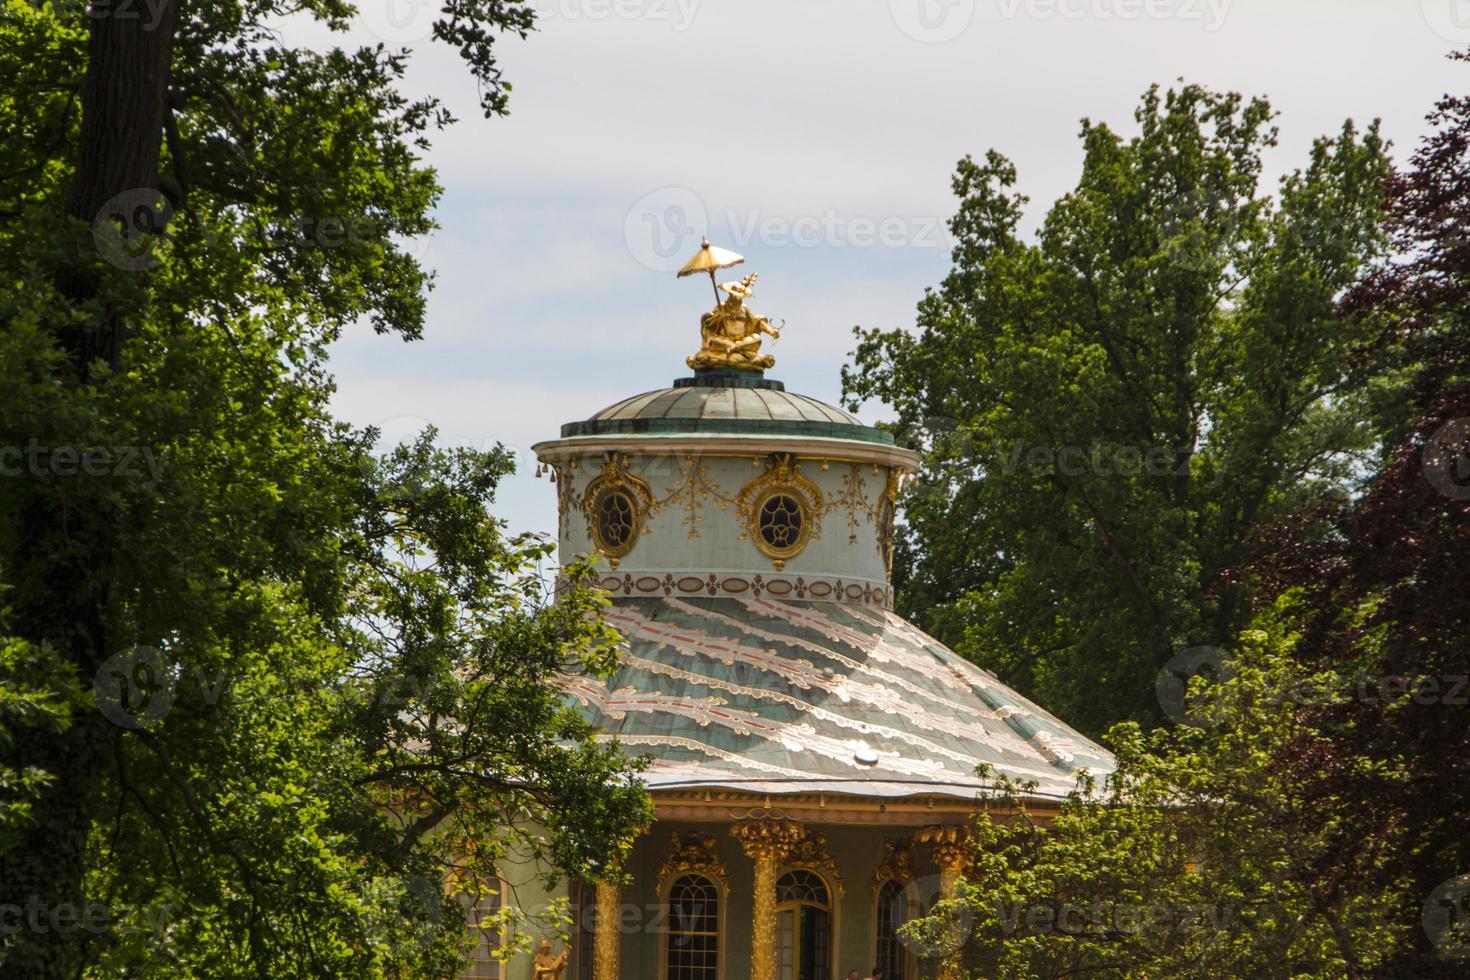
(124, 100)
(65, 602)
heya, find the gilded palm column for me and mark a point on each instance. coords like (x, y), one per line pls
(951, 850)
(766, 842)
(605, 939)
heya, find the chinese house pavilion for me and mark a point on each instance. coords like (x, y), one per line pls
(814, 755)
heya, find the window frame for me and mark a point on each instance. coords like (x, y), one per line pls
(489, 887)
(665, 892)
(908, 894)
(833, 908)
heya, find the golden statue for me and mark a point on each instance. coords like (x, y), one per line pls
(730, 334)
(546, 966)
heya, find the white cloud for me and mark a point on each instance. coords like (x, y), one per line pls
(793, 111)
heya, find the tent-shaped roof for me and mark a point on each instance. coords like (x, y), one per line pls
(773, 696)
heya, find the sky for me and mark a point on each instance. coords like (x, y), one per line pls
(815, 137)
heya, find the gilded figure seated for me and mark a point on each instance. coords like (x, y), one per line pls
(731, 333)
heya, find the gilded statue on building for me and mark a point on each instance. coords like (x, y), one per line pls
(730, 334)
(547, 966)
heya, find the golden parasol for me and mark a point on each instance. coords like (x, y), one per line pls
(708, 259)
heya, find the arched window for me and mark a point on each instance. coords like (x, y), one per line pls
(693, 935)
(893, 910)
(803, 927)
(483, 964)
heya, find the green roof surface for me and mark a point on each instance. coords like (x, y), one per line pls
(727, 403)
(779, 696)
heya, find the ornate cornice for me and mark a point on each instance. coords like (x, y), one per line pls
(767, 839)
(811, 853)
(734, 444)
(897, 864)
(950, 845)
(693, 854)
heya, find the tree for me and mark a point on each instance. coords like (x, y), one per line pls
(1311, 823)
(1194, 859)
(263, 690)
(1384, 592)
(1105, 413)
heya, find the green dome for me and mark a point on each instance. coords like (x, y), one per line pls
(725, 402)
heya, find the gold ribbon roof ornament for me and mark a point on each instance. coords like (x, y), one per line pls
(730, 334)
(708, 259)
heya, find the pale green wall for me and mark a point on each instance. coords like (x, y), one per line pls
(857, 851)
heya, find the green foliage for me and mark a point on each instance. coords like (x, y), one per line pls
(1195, 859)
(1105, 412)
(262, 691)
(32, 699)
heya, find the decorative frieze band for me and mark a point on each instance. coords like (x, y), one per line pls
(633, 583)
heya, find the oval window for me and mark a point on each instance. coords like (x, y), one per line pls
(616, 526)
(781, 523)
